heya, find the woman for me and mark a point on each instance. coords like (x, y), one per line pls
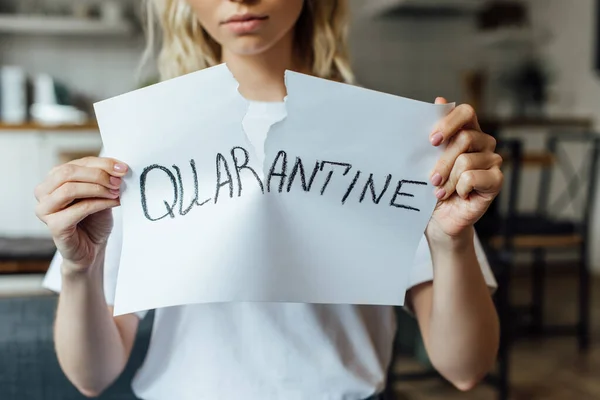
(270, 351)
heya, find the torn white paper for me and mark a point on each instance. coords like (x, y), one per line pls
(334, 214)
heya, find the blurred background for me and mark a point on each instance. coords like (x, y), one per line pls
(531, 68)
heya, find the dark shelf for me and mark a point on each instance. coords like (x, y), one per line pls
(414, 12)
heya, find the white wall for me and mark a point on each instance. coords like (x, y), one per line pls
(415, 58)
(571, 53)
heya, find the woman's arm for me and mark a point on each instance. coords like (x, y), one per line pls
(457, 317)
(92, 346)
(458, 320)
(75, 202)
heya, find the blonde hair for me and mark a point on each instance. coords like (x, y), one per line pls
(320, 34)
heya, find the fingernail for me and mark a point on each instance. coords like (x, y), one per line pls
(440, 194)
(115, 181)
(437, 139)
(120, 167)
(436, 179)
(115, 192)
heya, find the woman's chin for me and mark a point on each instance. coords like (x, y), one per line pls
(248, 46)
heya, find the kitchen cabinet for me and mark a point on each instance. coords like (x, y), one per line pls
(26, 157)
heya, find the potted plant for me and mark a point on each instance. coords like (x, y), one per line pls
(528, 84)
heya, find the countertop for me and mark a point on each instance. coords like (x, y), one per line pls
(489, 121)
(26, 249)
(91, 126)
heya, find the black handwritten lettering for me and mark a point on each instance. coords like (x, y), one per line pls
(244, 165)
(298, 166)
(399, 193)
(279, 169)
(330, 174)
(371, 184)
(282, 174)
(221, 161)
(351, 187)
(181, 190)
(143, 179)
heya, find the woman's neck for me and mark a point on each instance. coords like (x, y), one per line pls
(261, 76)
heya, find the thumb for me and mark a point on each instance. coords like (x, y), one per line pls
(440, 100)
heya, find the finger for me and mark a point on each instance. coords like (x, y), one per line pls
(71, 191)
(75, 173)
(462, 117)
(66, 219)
(439, 138)
(486, 182)
(467, 141)
(110, 165)
(469, 162)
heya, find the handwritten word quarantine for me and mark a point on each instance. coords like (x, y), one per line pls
(287, 173)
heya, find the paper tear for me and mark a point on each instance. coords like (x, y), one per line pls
(251, 144)
(247, 102)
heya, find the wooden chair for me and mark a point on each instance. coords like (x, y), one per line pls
(548, 229)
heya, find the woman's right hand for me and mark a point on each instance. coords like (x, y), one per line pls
(75, 202)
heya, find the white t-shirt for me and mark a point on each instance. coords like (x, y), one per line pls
(264, 351)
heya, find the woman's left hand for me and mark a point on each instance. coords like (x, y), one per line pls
(467, 176)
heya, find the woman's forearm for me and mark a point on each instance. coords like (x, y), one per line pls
(464, 328)
(88, 343)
